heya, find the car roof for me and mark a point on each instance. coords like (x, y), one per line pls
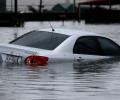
(70, 32)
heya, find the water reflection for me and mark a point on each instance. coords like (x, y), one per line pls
(61, 81)
(98, 66)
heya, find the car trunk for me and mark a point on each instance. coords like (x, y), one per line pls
(16, 54)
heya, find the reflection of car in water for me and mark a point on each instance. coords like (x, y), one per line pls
(61, 45)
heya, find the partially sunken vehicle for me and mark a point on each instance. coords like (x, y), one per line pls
(41, 47)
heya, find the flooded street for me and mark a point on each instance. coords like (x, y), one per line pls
(61, 81)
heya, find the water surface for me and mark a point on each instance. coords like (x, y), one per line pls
(65, 81)
(61, 81)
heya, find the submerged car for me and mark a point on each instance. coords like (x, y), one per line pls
(41, 47)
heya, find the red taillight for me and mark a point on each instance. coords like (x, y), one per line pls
(35, 60)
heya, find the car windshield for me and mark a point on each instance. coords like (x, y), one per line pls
(40, 39)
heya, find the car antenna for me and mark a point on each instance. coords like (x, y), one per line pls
(52, 27)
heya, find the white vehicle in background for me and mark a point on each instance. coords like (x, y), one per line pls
(41, 47)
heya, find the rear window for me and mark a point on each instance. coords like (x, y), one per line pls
(41, 39)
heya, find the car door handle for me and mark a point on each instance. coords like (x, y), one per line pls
(79, 59)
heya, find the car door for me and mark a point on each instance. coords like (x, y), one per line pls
(88, 48)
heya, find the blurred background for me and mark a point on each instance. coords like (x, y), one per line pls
(92, 11)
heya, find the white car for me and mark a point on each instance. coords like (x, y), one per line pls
(41, 47)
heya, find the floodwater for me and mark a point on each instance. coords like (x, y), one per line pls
(61, 81)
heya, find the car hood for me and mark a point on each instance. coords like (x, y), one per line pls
(19, 50)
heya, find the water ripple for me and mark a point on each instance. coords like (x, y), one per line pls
(60, 82)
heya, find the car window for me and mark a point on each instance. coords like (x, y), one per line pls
(109, 47)
(87, 45)
(41, 39)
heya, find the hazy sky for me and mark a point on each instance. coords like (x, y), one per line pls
(48, 3)
(35, 2)
(21, 2)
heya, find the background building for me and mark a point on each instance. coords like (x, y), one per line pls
(2, 5)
